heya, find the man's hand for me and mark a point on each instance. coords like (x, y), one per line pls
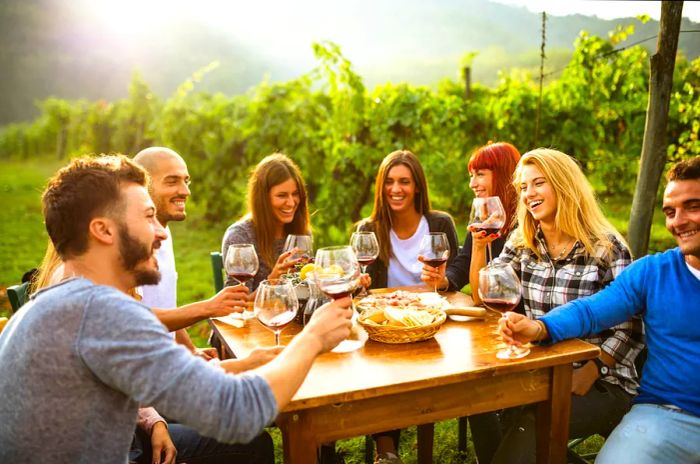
(227, 301)
(365, 280)
(330, 324)
(206, 353)
(516, 329)
(583, 378)
(164, 450)
(261, 356)
(434, 277)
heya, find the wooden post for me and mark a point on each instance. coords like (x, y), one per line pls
(539, 99)
(654, 146)
(467, 73)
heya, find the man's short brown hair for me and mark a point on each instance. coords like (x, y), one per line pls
(88, 187)
(685, 170)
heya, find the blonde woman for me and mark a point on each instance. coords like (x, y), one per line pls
(563, 249)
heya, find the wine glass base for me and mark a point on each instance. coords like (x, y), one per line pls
(513, 353)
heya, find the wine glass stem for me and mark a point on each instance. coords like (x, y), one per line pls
(364, 291)
(489, 253)
(277, 337)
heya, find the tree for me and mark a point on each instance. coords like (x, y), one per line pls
(655, 141)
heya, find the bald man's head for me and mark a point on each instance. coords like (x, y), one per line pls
(170, 181)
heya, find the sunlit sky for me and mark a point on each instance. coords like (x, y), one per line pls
(603, 9)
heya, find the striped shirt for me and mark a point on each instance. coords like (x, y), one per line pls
(548, 283)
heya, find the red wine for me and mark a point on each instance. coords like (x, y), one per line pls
(365, 261)
(489, 230)
(339, 290)
(500, 305)
(435, 262)
(242, 277)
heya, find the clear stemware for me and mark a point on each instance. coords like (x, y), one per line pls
(434, 250)
(241, 264)
(276, 305)
(487, 215)
(500, 290)
(366, 248)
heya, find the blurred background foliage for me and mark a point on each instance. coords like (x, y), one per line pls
(338, 130)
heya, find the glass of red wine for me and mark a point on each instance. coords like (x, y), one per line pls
(337, 274)
(500, 290)
(366, 248)
(275, 305)
(487, 215)
(241, 264)
(304, 245)
(434, 250)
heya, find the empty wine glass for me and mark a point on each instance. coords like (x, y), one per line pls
(337, 274)
(487, 215)
(366, 248)
(434, 250)
(275, 305)
(500, 290)
(304, 245)
(241, 264)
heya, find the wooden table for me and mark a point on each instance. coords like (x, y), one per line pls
(383, 387)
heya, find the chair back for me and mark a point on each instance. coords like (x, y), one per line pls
(18, 295)
(217, 268)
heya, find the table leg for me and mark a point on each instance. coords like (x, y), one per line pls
(298, 439)
(425, 443)
(553, 418)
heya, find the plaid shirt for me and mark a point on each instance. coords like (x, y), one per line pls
(548, 283)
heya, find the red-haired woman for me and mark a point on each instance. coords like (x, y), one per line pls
(491, 170)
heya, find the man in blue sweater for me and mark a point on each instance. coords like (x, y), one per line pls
(664, 424)
(79, 358)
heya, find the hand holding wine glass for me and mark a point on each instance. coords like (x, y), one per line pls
(275, 305)
(486, 220)
(434, 251)
(303, 248)
(500, 290)
(337, 274)
(241, 264)
(366, 248)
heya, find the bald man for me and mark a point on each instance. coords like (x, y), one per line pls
(169, 190)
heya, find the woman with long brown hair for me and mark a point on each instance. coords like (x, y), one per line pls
(277, 207)
(400, 218)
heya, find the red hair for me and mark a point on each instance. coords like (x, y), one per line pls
(501, 158)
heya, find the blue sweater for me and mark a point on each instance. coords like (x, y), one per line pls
(663, 290)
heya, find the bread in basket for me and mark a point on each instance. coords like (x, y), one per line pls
(397, 325)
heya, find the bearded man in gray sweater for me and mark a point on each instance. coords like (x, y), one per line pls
(78, 360)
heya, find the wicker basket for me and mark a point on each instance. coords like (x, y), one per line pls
(392, 334)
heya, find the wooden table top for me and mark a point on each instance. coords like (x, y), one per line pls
(460, 351)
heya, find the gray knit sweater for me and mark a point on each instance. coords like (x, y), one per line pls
(76, 362)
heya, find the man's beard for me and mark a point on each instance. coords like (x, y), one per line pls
(162, 214)
(133, 252)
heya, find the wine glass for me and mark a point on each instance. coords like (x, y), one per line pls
(434, 249)
(366, 248)
(304, 245)
(241, 264)
(500, 290)
(487, 215)
(337, 274)
(275, 305)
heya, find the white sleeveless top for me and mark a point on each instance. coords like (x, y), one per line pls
(404, 267)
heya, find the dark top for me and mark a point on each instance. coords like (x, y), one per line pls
(438, 221)
(458, 270)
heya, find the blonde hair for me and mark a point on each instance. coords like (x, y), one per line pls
(577, 211)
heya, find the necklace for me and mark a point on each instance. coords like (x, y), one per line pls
(562, 253)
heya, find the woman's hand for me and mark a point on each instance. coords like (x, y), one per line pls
(284, 263)
(434, 276)
(481, 238)
(365, 281)
(162, 445)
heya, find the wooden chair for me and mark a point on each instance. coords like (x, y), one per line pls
(18, 295)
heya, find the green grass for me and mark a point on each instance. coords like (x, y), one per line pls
(24, 240)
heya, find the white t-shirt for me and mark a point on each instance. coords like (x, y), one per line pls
(695, 272)
(404, 267)
(163, 295)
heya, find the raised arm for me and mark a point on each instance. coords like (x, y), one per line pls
(228, 300)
